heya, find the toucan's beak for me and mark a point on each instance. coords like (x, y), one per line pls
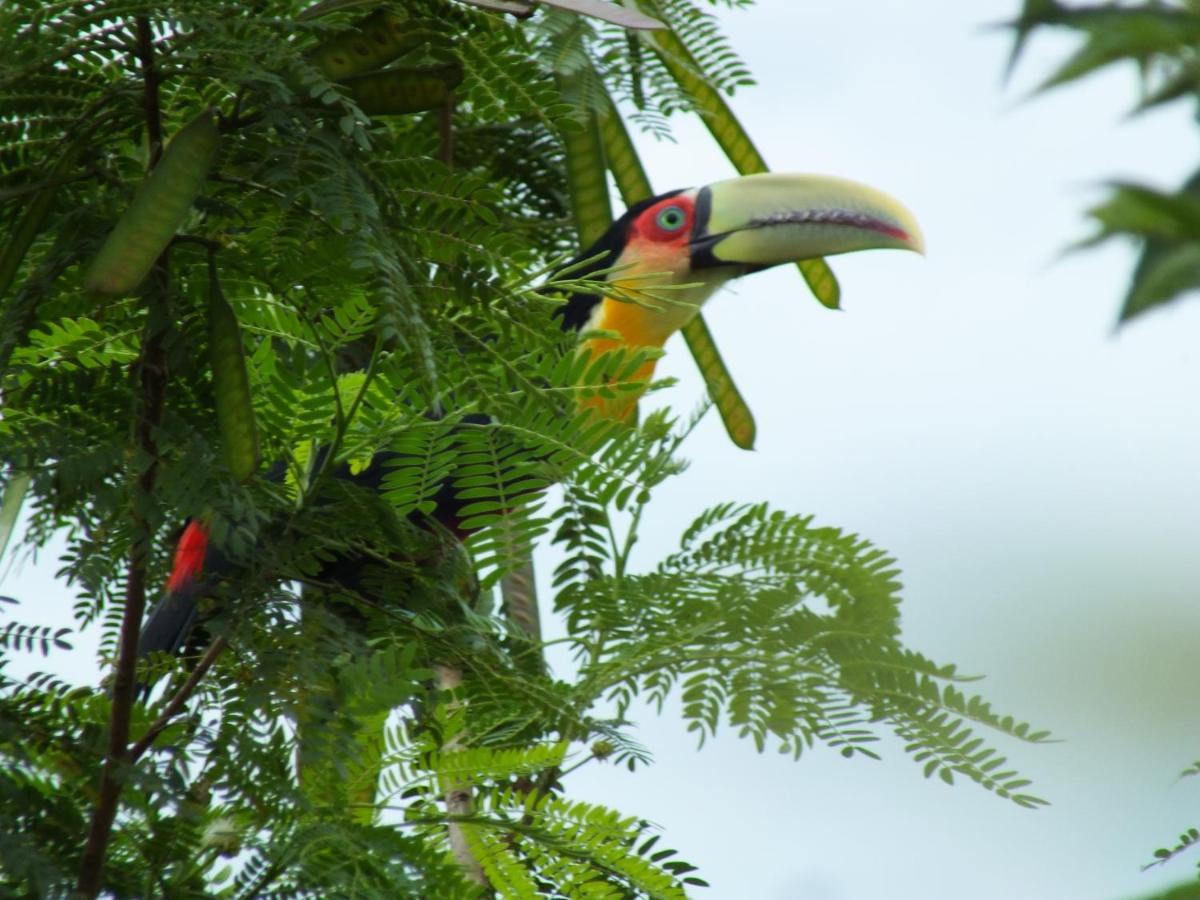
(758, 221)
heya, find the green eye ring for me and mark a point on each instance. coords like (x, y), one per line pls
(671, 218)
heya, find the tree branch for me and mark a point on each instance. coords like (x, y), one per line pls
(519, 592)
(460, 797)
(519, 600)
(150, 80)
(151, 373)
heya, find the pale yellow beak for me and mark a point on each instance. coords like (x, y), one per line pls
(758, 221)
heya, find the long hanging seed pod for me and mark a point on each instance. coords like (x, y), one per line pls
(587, 177)
(158, 209)
(231, 385)
(732, 138)
(401, 90)
(369, 44)
(634, 185)
(735, 414)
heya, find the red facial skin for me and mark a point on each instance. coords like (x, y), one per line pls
(647, 228)
(189, 556)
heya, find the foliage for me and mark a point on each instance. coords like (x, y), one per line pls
(1161, 40)
(371, 735)
(1187, 842)
(1187, 891)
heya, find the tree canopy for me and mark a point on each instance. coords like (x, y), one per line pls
(261, 239)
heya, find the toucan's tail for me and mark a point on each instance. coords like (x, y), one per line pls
(171, 620)
(199, 566)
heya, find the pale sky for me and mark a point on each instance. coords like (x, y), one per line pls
(975, 414)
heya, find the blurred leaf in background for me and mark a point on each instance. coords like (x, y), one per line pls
(1162, 42)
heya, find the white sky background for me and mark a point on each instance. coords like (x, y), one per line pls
(974, 414)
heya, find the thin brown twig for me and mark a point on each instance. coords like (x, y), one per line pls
(176, 702)
(446, 132)
(16, 193)
(150, 79)
(207, 243)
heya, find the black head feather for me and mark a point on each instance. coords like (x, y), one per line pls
(607, 250)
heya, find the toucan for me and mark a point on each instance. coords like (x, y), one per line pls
(676, 250)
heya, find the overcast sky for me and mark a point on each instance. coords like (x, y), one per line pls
(975, 414)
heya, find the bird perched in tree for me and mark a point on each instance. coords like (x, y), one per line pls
(681, 247)
(673, 251)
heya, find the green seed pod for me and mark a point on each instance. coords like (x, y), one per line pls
(159, 208)
(371, 44)
(231, 384)
(394, 92)
(739, 422)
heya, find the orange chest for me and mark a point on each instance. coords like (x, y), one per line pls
(661, 312)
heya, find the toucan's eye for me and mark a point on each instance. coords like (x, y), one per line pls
(672, 218)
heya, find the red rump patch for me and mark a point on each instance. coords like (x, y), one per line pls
(189, 556)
